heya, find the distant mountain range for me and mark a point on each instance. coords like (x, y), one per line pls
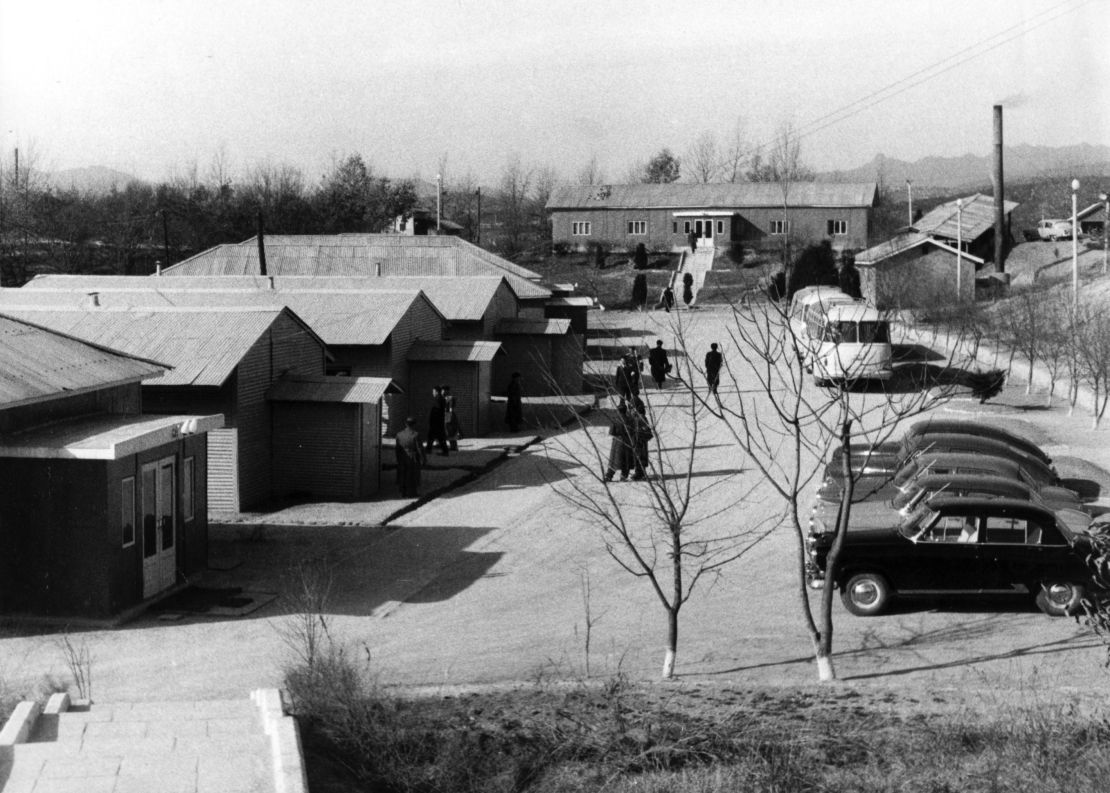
(944, 174)
(930, 175)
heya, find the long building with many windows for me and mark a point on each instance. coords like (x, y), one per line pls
(753, 214)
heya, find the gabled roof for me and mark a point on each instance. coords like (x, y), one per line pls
(537, 327)
(904, 242)
(976, 216)
(37, 364)
(360, 255)
(358, 390)
(454, 350)
(1093, 209)
(737, 195)
(203, 345)
(339, 316)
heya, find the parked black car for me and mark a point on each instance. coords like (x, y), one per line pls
(967, 545)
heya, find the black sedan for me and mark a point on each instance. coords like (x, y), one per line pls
(962, 545)
(949, 427)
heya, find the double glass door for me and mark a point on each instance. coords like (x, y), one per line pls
(159, 500)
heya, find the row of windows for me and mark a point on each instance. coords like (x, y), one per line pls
(582, 228)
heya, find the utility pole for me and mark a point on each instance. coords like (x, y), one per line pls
(439, 198)
(909, 193)
(478, 226)
(1074, 244)
(959, 249)
(165, 236)
(261, 247)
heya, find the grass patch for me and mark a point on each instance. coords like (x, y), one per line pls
(622, 737)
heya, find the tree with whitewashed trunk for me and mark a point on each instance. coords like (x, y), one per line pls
(786, 425)
(669, 529)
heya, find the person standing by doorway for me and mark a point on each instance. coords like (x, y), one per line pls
(451, 428)
(713, 362)
(658, 364)
(514, 406)
(692, 238)
(436, 435)
(410, 459)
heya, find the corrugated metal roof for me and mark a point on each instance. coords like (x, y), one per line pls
(902, 243)
(38, 364)
(973, 220)
(203, 345)
(454, 350)
(360, 255)
(581, 301)
(104, 436)
(332, 389)
(336, 315)
(738, 195)
(543, 327)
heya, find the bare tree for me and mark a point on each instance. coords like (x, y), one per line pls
(737, 153)
(661, 529)
(703, 159)
(516, 186)
(786, 426)
(1092, 341)
(592, 173)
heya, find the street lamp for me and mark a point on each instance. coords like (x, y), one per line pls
(959, 248)
(909, 195)
(1074, 244)
(1105, 199)
(439, 198)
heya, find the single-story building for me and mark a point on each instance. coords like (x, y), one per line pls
(225, 361)
(546, 349)
(102, 506)
(920, 262)
(327, 430)
(1092, 220)
(753, 214)
(466, 366)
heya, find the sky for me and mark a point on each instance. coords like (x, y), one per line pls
(154, 87)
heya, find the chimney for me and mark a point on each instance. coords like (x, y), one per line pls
(999, 192)
(261, 247)
(94, 300)
(157, 268)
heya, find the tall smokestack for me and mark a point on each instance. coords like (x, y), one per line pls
(999, 193)
(261, 247)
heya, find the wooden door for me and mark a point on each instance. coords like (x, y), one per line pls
(159, 500)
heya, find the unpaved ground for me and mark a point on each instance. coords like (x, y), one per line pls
(485, 585)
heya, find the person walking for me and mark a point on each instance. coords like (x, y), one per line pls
(514, 406)
(451, 429)
(620, 446)
(436, 435)
(640, 433)
(410, 459)
(658, 364)
(666, 299)
(713, 362)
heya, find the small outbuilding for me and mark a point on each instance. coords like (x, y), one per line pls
(466, 366)
(102, 507)
(546, 349)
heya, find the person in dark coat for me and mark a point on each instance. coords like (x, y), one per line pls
(692, 238)
(713, 362)
(666, 299)
(658, 364)
(410, 459)
(436, 435)
(627, 377)
(451, 429)
(620, 445)
(688, 288)
(514, 407)
(640, 433)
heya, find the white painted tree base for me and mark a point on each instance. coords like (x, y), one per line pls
(668, 665)
(825, 671)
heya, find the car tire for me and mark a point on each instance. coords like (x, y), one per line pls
(1059, 598)
(866, 594)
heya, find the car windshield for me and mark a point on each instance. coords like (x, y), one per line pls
(915, 523)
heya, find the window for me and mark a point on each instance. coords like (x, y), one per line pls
(580, 228)
(720, 227)
(837, 228)
(950, 528)
(779, 226)
(188, 497)
(127, 511)
(674, 227)
(637, 227)
(686, 227)
(1005, 529)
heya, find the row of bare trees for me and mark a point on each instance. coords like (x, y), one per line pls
(671, 533)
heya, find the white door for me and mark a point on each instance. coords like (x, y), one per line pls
(159, 499)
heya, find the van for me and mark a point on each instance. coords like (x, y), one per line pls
(806, 307)
(849, 341)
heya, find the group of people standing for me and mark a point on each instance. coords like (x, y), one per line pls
(443, 422)
(631, 429)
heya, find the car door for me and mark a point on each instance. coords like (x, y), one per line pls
(945, 556)
(1012, 549)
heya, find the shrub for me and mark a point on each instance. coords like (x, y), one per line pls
(736, 253)
(640, 257)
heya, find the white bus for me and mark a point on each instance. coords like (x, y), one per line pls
(807, 306)
(848, 341)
